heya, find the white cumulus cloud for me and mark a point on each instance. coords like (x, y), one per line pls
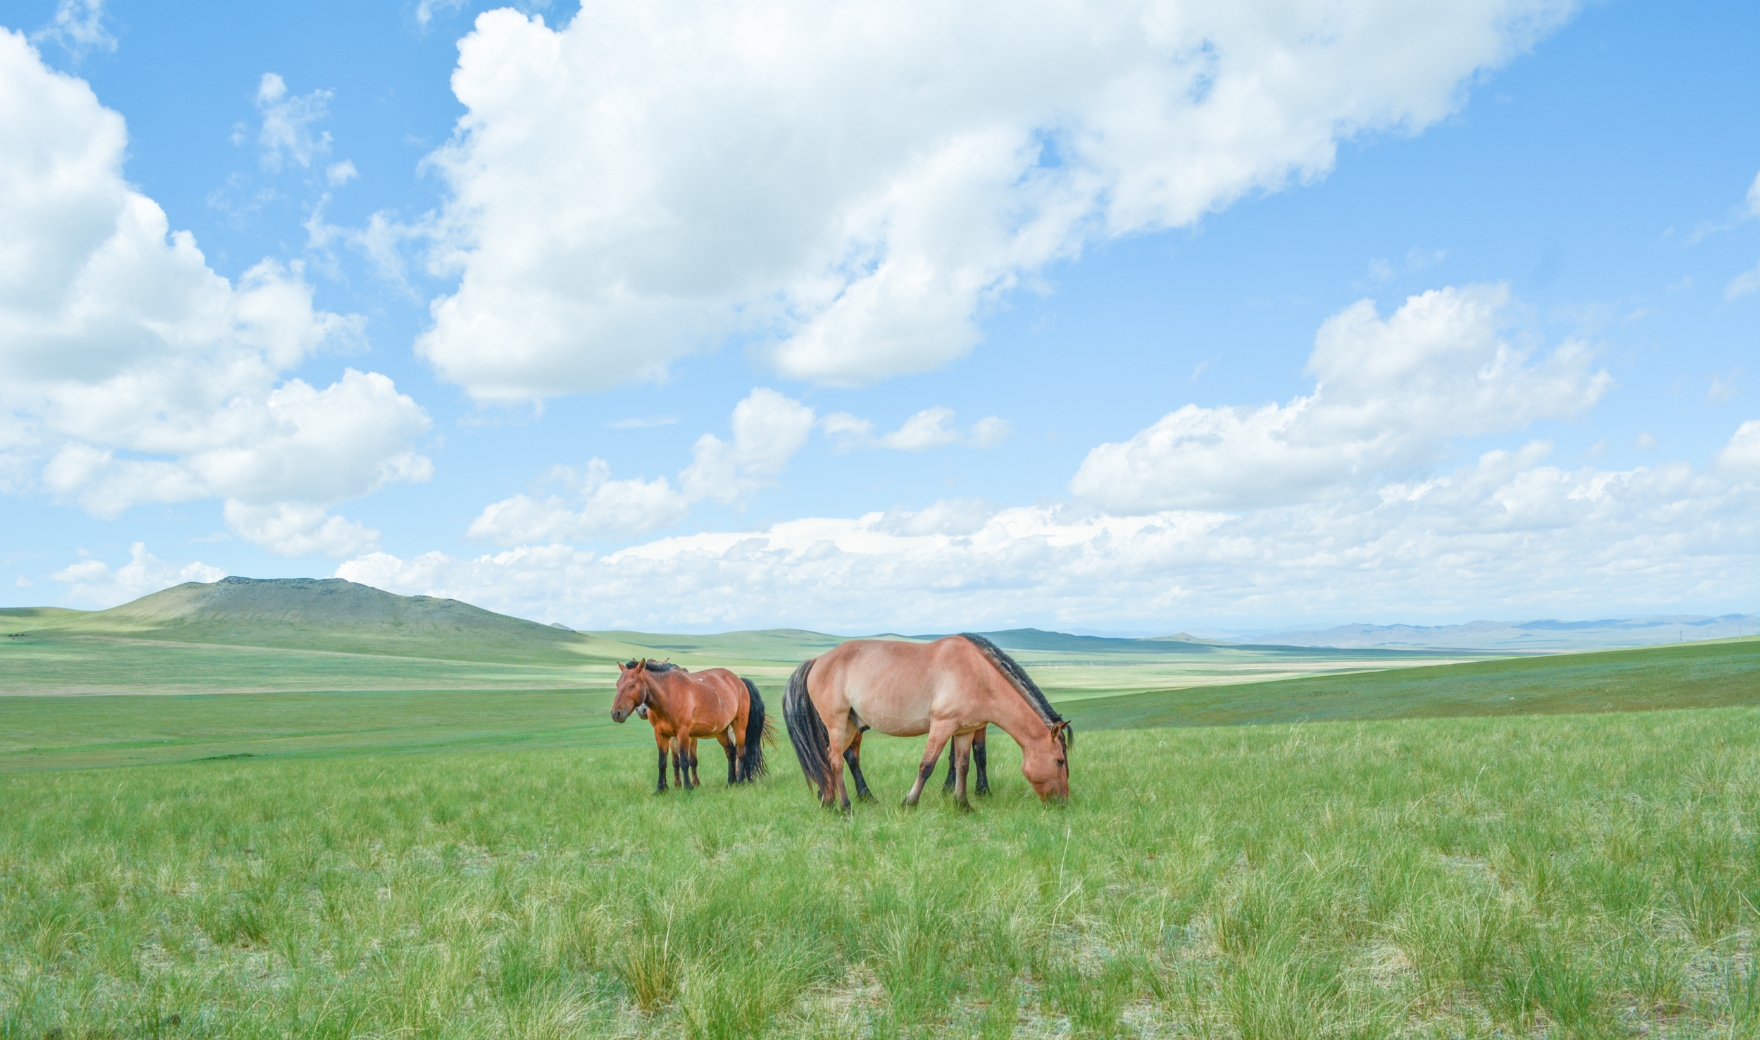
(929, 428)
(858, 181)
(130, 371)
(1740, 458)
(768, 429)
(297, 529)
(94, 583)
(1391, 395)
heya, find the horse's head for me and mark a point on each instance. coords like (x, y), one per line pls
(632, 689)
(1045, 763)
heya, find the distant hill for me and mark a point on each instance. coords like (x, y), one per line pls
(1517, 637)
(321, 614)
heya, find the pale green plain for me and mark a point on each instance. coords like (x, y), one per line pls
(432, 842)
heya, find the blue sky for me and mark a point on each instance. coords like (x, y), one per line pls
(1132, 317)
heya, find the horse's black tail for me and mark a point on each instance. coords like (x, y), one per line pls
(758, 731)
(806, 730)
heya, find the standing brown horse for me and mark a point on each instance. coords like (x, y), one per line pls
(682, 706)
(950, 689)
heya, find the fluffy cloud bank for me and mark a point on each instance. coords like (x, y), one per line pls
(1392, 394)
(768, 429)
(857, 181)
(1348, 503)
(130, 372)
(1508, 530)
(94, 583)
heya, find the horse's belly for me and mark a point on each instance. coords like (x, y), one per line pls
(898, 720)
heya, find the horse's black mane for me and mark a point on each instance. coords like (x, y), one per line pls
(1018, 677)
(661, 667)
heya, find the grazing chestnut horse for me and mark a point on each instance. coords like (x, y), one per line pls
(950, 689)
(682, 706)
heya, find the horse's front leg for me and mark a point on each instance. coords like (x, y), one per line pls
(663, 743)
(981, 760)
(939, 734)
(691, 761)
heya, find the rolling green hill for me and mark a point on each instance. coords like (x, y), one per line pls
(328, 614)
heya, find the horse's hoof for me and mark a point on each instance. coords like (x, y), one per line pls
(865, 796)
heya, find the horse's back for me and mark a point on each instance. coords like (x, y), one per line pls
(891, 685)
(721, 694)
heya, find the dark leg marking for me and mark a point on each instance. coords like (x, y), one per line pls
(660, 788)
(980, 759)
(962, 756)
(855, 768)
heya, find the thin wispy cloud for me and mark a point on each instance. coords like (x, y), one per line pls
(78, 27)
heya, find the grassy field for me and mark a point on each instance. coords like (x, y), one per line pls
(1563, 876)
(422, 823)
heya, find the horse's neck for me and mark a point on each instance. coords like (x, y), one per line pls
(659, 700)
(1017, 718)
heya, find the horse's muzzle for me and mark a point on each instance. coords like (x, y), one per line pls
(618, 716)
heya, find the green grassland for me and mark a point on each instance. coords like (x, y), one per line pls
(1591, 876)
(362, 815)
(38, 732)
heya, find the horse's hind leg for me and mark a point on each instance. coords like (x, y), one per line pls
(842, 733)
(853, 756)
(689, 745)
(981, 760)
(961, 759)
(732, 749)
(939, 734)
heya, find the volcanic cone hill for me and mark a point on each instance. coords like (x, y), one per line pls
(324, 614)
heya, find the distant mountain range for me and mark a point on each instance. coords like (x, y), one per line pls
(1606, 633)
(333, 614)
